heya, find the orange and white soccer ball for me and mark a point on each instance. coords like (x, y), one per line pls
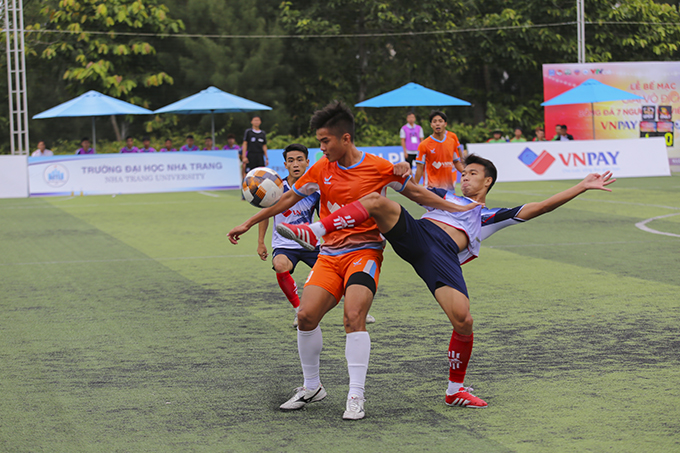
(262, 187)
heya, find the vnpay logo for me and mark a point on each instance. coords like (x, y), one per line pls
(55, 175)
(439, 165)
(539, 164)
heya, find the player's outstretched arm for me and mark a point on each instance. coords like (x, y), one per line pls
(261, 232)
(287, 200)
(420, 169)
(593, 181)
(422, 196)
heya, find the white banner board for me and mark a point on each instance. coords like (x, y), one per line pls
(544, 161)
(98, 174)
(13, 177)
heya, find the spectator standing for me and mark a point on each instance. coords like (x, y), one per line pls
(146, 146)
(42, 150)
(564, 136)
(85, 147)
(190, 144)
(558, 132)
(129, 146)
(167, 148)
(411, 135)
(518, 136)
(439, 155)
(540, 135)
(209, 145)
(497, 137)
(255, 146)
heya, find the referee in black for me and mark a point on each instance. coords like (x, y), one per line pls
(255, 146)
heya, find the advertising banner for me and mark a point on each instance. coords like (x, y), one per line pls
(392, 153)
(13, 177)
(543, 161)
(657, 115)
(133, 173)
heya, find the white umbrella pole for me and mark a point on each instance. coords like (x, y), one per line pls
(94, 137)
(592, 113)
(212, 117)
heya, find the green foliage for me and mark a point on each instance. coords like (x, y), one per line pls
(96, 49)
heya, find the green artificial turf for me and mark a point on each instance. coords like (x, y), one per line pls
(130, 323)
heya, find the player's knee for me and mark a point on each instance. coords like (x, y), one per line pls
(354, 320)
(281, 264)
(307, 320)
(463, 324)
(371, 201)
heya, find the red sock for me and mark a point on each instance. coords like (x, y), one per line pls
(289, 288)
(348, 216)
(460, 350)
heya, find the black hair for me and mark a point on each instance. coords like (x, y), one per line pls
(255, 116)
(434, 113)
(190, 136)
(146, 138)
(83, 139)
(231, 136)
(295, 147)
(410, 113)
(518, 128)
(168, 139)
(489, 167)
(128, 138)
(564, 126)
(336, 117)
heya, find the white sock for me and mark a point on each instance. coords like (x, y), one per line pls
(357, 353)
(310, 344)
(454, 387)
(318, 229)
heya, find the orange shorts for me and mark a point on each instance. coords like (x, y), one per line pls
(332, 272)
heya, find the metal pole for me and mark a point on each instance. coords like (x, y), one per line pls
(212, 118)
(23, 80)
(581, 30)
(94, 137)
(9, 79)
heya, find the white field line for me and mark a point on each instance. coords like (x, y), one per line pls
(208, 194)
(643, 225)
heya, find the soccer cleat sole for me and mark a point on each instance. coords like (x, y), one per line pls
(290, 234)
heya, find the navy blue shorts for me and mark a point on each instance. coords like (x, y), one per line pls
(297, 255)
(430, 250)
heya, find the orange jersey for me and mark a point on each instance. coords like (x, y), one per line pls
(339, 186)
(438, 158)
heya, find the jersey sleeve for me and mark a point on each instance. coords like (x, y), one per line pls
(422, 152)
(392, 181)
(420, 133)
(245, 135)
(498, 218)
(456, 149)
(308, 183)
(264, 138)
(402, 132)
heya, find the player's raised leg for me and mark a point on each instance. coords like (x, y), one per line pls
(456, 305)
(384, 211)
(316, 301)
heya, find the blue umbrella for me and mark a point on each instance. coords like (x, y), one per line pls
(92, 103)
(591, 91)
(412, 95)
(212, 100)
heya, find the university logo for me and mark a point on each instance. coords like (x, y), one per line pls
(56, 175)
(537, 164)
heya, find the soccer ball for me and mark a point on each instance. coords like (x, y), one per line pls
(262, 187)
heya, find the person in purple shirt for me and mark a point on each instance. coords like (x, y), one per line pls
(209, 145)
(85, 147)
(190, 144)
(129, 146)
(146, 146)
(231, 144)
(168, 147)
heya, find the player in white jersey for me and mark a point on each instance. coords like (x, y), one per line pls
(430, 250)
(287, 253)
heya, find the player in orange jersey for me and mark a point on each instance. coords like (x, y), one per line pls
(438, 154)
(349, 261)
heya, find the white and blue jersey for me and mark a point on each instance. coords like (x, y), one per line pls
(492, 220)
(468, 222)
(301, 212)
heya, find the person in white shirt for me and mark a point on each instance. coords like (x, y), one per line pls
(42, 150)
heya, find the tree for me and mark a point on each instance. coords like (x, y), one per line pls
(103, 47)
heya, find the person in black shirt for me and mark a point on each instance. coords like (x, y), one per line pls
(255, 146)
